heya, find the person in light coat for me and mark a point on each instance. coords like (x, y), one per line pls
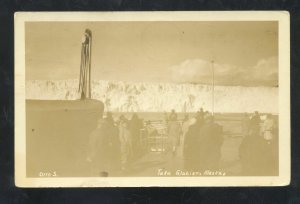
(174, 132)
(126, 143)
(268, 127)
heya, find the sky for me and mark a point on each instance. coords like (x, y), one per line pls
(243, 53)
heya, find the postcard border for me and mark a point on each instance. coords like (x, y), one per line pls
(283, 19)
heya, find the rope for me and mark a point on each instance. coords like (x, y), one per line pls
(85, 68)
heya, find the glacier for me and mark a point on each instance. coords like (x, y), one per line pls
(122, 96)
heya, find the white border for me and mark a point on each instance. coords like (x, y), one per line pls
(284, 99)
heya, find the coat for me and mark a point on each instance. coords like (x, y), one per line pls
(174, 132)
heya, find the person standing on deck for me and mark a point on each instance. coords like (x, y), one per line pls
(200, 115)
(185, 125)
(251, 149)
(255, 124)
(172, 114)
(114, 143)
(126, 143)
(269, 149)
(268, 127)
(174, 132)
(205, 145)
(191, 147)
(98, 148)
(135, 126)
(185, 128)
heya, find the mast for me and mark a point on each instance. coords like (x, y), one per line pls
(85, 66)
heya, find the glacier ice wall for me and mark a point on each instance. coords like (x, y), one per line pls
(159, 97)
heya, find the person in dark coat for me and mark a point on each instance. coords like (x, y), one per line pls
(200, 114)
(212, 134)
(114, 153)
(203, 145)
(251, 149)
(98, 148)
(135, 126)
(191, 148)
(255, 124)
(172, 115)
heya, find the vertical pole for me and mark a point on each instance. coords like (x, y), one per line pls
(90, 59)
(213, 87)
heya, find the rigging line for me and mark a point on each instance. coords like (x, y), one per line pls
(213, 86)
(88, 75)
(81, 67)
(84, 68)
(86, 71)
(90, 69)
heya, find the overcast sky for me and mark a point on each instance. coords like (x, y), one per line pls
(244, 53)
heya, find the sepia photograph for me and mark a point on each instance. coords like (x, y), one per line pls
(152, 99)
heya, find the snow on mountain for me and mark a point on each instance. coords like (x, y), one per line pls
(159, 97)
